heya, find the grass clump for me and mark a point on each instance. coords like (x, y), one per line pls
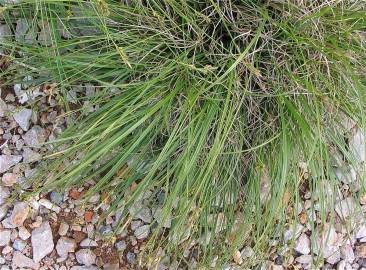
(212, 105)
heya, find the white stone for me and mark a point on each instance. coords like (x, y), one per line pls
(86, 257)
(24, 234)
(64, 246)
(23, 118)
(344, 265)
(335, 257)
(347, 253)
(304, 259)
(293, 232)
(49, 205)
(361, 231)
(4, 194)
(9, 179)
(346, 207)
(42, 241)
(346, 174)
(20, 261)
(64, 227)
(8, 161)
(4, 237)
(357, 145)
(87, 242)
(303, 244)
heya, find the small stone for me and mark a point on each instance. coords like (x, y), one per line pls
(75, 194)
(4, 237)
(49, 205)
(357, 145)
(30, 156)
(42, 241)
(24, 234)
(293, 232)
(7, 250)
(361, 251)
(56, 197)
(87, 242)
(334, 258)
(84, 268)
(8, 161)
(86, 257)
(3, 209)
(304, 259)
(346, 207)
(64, 246)
(20, 261)
(35, 136)
(9, 179)
(346, 174)
(247, 252)
(88, 216)
(19, 244)
(142, 232)
(131, 257)
(19, 214)
(5, 33)
(237, 257)
(4, 194)
(104, 230)
(361, 232)
(135, 224)
(144, 214)
(62, 230)
(303, 244)
(347, 253)
(23, 118)
(121, 245)
(343, 265)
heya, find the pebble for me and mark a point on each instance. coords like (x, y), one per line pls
(87, 242)
(49, 205)
(19, 244)
(56, 197)
(86, 257)
(24, 234)
(42, 241)
(304, 259)
(142, 232)
(21, 261)
(361, 251)
(347, 253)
(121, 245)
(19, 214)
(30, 156)
(143, 213)
(3, 209)
(357, 145)
(104, 230)
(302, 244)
(23, 118)
(131, 257)
(4, 194)
(9, 179)
(293, 232)
(346, 207)
(4, 237)
(64, 246)
(63, 229)
(8, 161)
(35, 136)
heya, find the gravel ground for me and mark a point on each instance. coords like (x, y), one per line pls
(57, 231)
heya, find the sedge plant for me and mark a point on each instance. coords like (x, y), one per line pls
(212, 106)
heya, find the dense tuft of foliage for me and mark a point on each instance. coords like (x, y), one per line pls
(213, 106)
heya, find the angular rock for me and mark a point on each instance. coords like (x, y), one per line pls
(346, 174)
(86, 257)
(24, 33)
(64, 227)
(121, 245)
(343, 265)
(3, 209)
(20, 261)
(24, 234)
(361, 251)
(347, 253)
(87, 242)
(19, 244)
(30, 156)
(4, 237)
(143, 213)
(64, 246)
(142, 232)
(84, 268)
(8, 161)
(293, 232)
(304, 259)
(346, 207)
(360, 232)
(35, 136)
(303, 244)
(56, 197)
(334, 257)
(19, 214)
(5, 33)
(23, 118)
(9, 179)
(42, 241)
(357, 145)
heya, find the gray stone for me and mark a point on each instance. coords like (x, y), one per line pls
(8, 161)
(144, 214)
(105, 230)
(30, 156)
(19, 214)
(35, 136)
(346, 174)
(121, 245)
(4, 237)
(23, 118)
(64, 246)
(25, 33)
(293, 232)
(142, 232)
(20, 261)
(304, 259)
(334, 258)
(159, 217)
(45, 36)
(3, 209)
(19, 244)
(5, 33)
(87, 242)
(86, 257)
(56, 197)
(346, 207)
(4, 194)
(344, 265)
(357, 145)
(347, 253)
(77, 267)
(42, 241)
(131, 257)
(303, 244)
